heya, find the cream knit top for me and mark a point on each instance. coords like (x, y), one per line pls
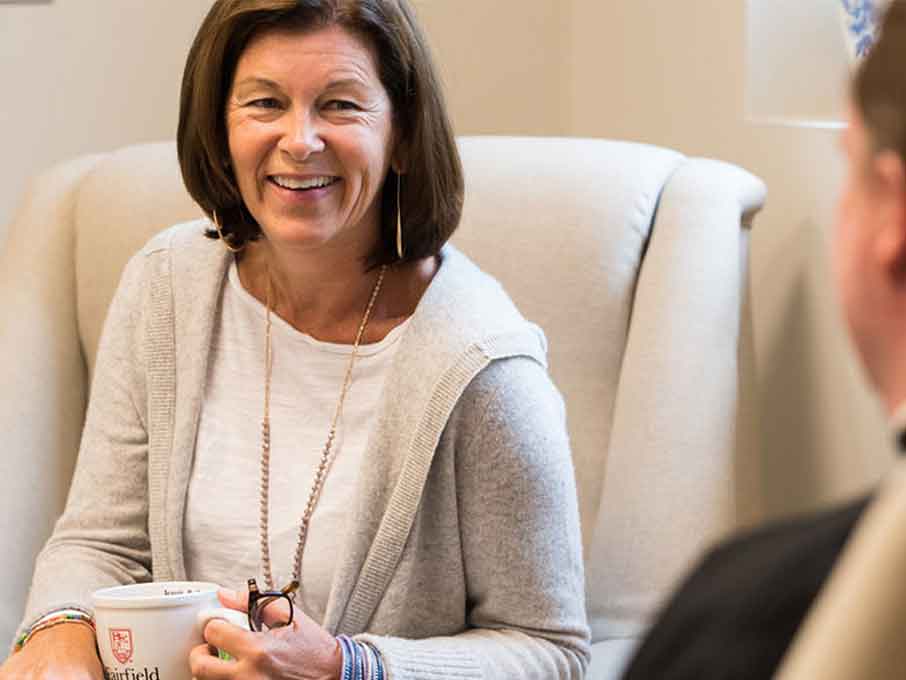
(221, 524)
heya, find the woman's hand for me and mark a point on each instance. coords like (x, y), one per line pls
(64, 652)
(301, 651)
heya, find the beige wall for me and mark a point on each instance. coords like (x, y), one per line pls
(92, 75)
(502, 63)
(672, 73)
(86, 75)
(83, 75)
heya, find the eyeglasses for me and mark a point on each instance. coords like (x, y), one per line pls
(260, 608)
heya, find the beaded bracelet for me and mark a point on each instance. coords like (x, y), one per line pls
(347, 673)
(361, 661)
(51, 621)
(375, 663)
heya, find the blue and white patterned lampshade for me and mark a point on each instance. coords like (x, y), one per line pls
(800, 55)
(860, 19)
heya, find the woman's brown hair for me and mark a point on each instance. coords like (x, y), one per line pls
(879, 86)
(432, 186)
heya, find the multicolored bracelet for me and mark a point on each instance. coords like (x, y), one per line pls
(51, 620)
(361, 661)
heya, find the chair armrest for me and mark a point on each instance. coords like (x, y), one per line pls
(43, 386)
(609, 658)
(670, 482)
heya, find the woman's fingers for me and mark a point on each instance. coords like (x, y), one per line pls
(235, 641)
(233, 599)
(205, 666)
(272, 612)
(280, 653)
(276, 612)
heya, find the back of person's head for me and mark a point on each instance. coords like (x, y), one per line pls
(879, 86)
(869, 245)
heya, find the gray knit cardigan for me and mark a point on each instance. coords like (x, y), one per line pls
(463, 554)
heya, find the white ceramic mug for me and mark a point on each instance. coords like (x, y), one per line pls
(146, 631)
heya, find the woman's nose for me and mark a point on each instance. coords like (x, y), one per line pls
(301, 138)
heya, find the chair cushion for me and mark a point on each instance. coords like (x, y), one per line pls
(563, 224)
(131, 195)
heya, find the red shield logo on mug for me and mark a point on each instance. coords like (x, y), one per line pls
(121, 644)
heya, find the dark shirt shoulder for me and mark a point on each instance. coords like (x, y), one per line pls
(737, 612)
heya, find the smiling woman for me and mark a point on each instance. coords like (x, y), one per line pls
(336, 404)
(311, 139)
(391, 66)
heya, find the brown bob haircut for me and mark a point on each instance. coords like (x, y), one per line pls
(432, 188)
(879, 86)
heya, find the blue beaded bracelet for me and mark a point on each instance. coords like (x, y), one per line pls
(377, 664)
(346, 648)
(361, 661)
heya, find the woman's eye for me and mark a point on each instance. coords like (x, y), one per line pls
(342, 105)
(264, 103)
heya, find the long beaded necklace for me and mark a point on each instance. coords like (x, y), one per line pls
(326, 457)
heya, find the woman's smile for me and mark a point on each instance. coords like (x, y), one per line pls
(303, 189)
(311, 136)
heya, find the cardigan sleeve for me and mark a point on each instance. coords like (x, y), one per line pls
(521, 542)
(101, 539)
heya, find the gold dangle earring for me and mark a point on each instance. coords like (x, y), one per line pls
(399, 220)
(226, 244)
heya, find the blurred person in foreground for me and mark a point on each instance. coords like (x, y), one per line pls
(737, 613)
(311, 388)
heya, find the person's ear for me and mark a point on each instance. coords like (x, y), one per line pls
(889, 179)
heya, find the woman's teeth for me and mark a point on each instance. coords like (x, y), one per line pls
(298, 184)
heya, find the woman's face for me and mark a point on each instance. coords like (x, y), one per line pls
(310, 130)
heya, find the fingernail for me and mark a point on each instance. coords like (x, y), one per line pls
(227, 593)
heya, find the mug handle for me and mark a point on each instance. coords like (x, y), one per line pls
(232, 616)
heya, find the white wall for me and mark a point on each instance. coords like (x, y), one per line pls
(86, 75)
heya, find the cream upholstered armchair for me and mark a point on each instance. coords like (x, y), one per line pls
(632, 258)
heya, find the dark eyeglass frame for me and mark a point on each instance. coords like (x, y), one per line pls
(260, 599)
